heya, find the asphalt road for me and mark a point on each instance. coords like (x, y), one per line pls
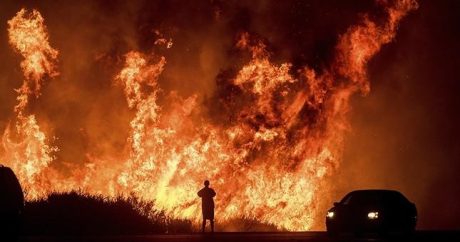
(435, 236)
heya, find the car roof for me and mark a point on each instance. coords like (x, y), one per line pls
(376, 192)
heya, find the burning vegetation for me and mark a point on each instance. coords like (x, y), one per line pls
(270, 137)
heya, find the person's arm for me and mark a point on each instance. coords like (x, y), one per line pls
(200, 193)
(213, 193)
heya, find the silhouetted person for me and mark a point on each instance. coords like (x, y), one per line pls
(207, 204)
(11, 202)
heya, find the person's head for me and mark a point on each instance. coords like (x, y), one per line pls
(206, 183)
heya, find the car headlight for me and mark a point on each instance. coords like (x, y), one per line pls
(330, 214)
(373, 215)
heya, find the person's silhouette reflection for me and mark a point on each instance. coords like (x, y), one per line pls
(207, 204)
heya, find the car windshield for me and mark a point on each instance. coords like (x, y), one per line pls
(362, 198)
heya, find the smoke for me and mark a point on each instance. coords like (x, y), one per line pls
(95, 35)
(405, 131)
(207, 78)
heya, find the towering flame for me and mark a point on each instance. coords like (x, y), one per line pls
(25, 148)
(271, 159)
(28, 36)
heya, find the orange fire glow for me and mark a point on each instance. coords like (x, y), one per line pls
(25, 148)
(270, 161)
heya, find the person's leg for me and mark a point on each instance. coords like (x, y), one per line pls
(212, 225)
(203, 225)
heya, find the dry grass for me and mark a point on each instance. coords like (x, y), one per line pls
(76, 213)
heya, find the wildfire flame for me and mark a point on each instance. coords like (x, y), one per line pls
(28, 36)
(271, 160)
(26, 149)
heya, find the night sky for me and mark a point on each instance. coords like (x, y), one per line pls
(404, 133)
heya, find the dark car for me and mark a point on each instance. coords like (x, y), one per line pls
(372, 211)
(11, 201)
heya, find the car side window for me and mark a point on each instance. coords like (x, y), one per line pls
(396, 199)
(346, 200)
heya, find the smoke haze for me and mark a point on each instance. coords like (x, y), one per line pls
(402, 134)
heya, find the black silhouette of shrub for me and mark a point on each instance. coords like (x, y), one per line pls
(76, 213)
